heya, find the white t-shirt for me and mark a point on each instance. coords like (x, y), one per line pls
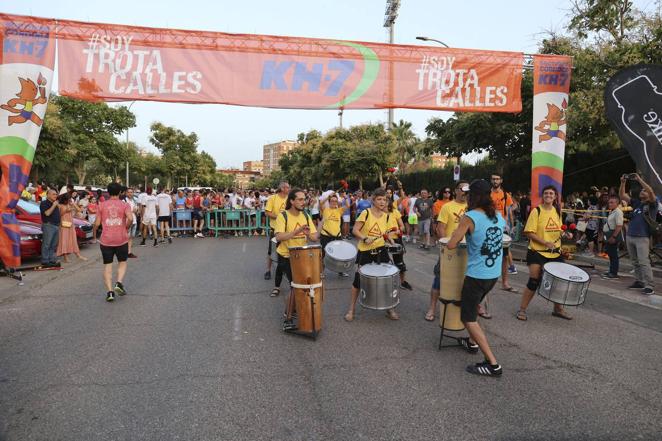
(164, 200)
(326, 195)
(412, 203)
(132, 204)
(149, 201)
(249, 202)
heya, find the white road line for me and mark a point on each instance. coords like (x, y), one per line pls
(236, 323)
(243, 248)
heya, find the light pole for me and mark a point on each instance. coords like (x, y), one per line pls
(390, 15)
(433, 39)
(127, 148)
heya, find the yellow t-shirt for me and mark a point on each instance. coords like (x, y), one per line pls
(547, 225)
(331, 218)
(293, 222)
(275, 204)
(450, 215)
(372, 227)
(393, 217)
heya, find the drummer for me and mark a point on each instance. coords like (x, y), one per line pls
(395, 228)
(447, 221)
(543, 228)
(331, 218)
(483, 228)
(293, 228)
(275, 204)
(369, 229)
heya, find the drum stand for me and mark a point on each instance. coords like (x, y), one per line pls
(313, 334)
(12, 273)
(443, 322)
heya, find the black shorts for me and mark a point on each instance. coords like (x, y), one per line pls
(399, 259)
(196, 214)
(316, 216)
(592, 235)
(107, 253)
(535, 258)
(270, 234)
(473, 292)
(378, 255)
(284, 266)
(163, 219)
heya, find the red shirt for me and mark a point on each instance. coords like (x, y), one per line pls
(114, 214)
(197, 201)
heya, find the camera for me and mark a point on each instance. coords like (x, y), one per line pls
(630, 176)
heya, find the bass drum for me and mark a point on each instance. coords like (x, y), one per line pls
(380, 284)
(339, 256)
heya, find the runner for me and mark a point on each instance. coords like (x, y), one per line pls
(164, 205)
(148, 215)
(116, 218)
(134, 224)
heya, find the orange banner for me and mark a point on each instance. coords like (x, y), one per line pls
(114, 62)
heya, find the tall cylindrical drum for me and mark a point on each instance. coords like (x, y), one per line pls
(306, 264)
(452, 269)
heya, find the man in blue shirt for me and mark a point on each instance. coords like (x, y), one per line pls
(483, 227)
(362, 203)
(638, 233)
(50, 227)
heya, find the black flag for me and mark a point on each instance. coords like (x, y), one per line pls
(633, 102)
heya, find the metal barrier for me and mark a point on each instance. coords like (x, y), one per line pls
(180, 221)
(244, 220)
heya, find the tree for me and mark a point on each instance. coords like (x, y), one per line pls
(405, 143)
(179, 151)
(599, 17)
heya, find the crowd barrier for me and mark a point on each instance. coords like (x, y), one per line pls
(180, 221)
(236, 221)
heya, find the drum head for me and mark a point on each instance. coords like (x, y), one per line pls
(379, 270)
(444, 241)
(305, 247)
(566, 272)
(341, 250)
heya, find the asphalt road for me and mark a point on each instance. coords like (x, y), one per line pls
(195, 352)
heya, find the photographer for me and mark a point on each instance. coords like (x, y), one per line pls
(639, 232)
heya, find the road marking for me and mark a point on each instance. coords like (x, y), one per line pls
(243, 248)
(236, 323)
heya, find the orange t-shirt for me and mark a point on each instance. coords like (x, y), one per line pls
(436, 207)
(501, 202)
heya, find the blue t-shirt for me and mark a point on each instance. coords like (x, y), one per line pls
(361, 205)
(637, 227)
(484, 246)
(54, 218)
(346, 203)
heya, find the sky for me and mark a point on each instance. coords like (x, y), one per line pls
(233, 134)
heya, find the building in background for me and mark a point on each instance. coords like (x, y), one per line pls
(254, 166)
(440, 161)
(242, 178)
(272, 153)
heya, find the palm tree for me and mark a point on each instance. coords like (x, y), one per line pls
(405, 142)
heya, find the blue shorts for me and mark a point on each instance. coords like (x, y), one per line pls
(435, 283)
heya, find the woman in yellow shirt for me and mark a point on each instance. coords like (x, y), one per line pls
(543, 228)
(369, 229)
(330, 226)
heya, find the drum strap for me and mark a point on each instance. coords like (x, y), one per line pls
(310, 288)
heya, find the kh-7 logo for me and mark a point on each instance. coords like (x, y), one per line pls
(275, 74)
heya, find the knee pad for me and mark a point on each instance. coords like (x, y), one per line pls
(532, 284)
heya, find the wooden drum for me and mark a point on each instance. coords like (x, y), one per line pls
(306, 264)
(451, 278)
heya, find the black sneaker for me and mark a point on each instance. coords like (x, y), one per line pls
(637, 285)
(169, 239)
(609, 276)
(110, 296)
(288, 325)
(156, 243)
(471, 348)
(406, 285)
(486, 369)
(119, 289)
(132, 256)
(647, 291)
(142, 243)
(267, 275)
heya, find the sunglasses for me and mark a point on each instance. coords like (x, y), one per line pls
(447, 191)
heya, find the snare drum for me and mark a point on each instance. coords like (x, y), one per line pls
(507, 240)
(306, 264)
(564, 284)
(380, 283)
(340, 256)
(396, 248)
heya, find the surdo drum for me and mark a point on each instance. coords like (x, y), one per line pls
(451, 277)
(380, 283)
(340, 256)
(306, 264)
(564, 284)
